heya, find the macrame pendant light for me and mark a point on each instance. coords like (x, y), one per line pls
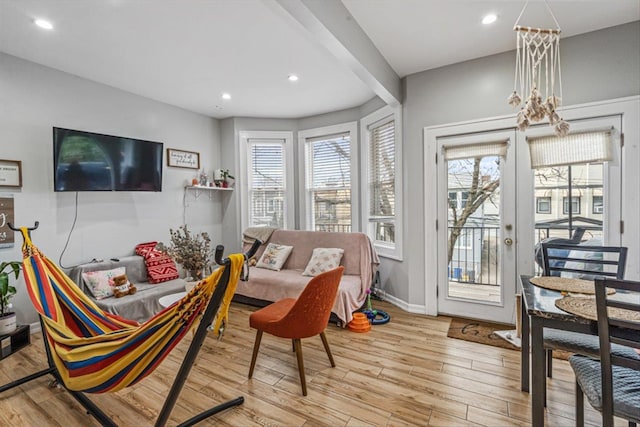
(537, 72)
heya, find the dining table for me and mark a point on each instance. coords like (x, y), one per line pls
(539, 311)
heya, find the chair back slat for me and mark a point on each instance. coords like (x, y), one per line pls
(596, 261)
(615, 330)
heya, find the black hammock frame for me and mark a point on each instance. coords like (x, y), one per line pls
(183, 373)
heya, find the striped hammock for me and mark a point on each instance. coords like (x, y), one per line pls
(97, 352)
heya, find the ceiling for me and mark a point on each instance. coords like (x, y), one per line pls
(187, 53)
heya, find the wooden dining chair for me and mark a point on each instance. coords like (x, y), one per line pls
(586, 262)
(612, 384)
(304, 317)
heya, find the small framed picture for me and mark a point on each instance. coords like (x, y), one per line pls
(183, 159)
(10, 173)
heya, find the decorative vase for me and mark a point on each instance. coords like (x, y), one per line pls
(8, 323)
(195, 275)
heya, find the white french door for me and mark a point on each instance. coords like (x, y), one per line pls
(490, 218)
(476, 211)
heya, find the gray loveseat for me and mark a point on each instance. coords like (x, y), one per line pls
(140, 306)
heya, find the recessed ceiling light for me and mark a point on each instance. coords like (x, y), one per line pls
(489, 19)
(43, 23)
(293, 78)
(226, 96)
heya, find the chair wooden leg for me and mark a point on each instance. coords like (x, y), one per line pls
(549, 363)
(579, 406)
(298, 346)
(327, 349)
(256, 347)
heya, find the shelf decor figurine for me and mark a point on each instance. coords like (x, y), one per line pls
(7, 318)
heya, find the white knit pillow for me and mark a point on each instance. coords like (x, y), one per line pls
(323, 259)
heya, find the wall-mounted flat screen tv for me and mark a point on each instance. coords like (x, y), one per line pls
(87, 161)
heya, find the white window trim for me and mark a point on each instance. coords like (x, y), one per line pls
(305, 206)
(289, 195)
(384, 249)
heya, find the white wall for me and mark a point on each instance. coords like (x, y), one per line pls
(33, 99)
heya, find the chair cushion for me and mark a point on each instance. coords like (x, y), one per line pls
(266, 319)
(626, 387)
(588, 345)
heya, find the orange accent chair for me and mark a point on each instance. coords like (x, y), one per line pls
(299, 318)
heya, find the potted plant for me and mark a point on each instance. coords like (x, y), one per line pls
(7, 318)
(227, 178)
(192, 251)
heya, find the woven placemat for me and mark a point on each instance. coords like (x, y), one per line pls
(566, 284)
(586, 307)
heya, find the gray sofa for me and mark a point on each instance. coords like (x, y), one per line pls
(140, 306)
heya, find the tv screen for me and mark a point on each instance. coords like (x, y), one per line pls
(86, 161)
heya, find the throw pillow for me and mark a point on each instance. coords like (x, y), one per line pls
(143, 249)
(323, 259)
(98, 281)
(160, 266)
(274, 256)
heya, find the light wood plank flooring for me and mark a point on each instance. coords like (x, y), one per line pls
(406, 372)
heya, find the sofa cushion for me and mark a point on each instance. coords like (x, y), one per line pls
(274, 256)
(98, 282)
(323, 260)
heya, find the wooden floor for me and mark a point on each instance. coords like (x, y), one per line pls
(406, 372)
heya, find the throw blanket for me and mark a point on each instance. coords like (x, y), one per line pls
(252, 234)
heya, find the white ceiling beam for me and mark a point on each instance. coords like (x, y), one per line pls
(330, 23)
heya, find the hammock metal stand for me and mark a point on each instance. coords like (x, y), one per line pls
(185, 367)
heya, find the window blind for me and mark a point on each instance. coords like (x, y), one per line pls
(267, 184)
(382, 180)
(329, 181)
(476, 151)
(577, 148)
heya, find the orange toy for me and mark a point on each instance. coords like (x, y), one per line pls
(359, 323)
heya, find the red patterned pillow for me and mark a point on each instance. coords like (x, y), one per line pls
(143, 249)
(160, 266)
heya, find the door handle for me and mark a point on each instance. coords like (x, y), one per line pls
(508, 241)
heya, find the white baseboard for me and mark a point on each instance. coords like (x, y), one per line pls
(411, 308)
(34, 328)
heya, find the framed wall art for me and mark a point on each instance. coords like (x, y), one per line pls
(183, 159)
(6, 216)
(11, 173)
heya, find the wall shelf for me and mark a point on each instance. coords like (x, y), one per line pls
(197, 189)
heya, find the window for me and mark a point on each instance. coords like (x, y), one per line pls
(268, 196)
(543, 205)
(575, 205)
(382, 158)
(329, 178)
(597, 205)
(464, 199)
(453, 199)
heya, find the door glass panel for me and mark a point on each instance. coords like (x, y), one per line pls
(474, 229)
(567, 198)
(574, 196)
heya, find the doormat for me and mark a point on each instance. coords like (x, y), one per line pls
(484, 333)
(480, 332)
